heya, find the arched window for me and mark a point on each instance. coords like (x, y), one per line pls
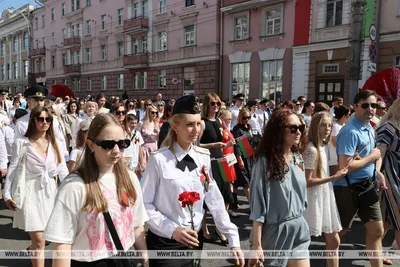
(26, 41)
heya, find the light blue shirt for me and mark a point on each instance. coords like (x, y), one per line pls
(352, 138)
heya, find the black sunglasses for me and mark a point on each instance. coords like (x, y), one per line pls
(118, 112)
(110, 144)
(293, 128)
(42, 119)
(154, 113)
(366, 105)
(213, 103)
(246, 118)
(160, 105)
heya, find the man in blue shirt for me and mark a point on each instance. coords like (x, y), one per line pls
(355, 146)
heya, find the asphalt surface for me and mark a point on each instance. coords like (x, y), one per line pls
(18, 240)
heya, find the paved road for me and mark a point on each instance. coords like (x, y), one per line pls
(15, 239)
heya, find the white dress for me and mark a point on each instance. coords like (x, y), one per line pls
(40, 186)
(321, 214)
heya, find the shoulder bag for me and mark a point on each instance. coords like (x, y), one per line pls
(18, 184)
(364, 192)
(117, 242)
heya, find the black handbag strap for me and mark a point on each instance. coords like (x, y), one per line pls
(113, 231)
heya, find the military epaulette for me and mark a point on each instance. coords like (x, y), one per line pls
(201, 150)
(159, 150)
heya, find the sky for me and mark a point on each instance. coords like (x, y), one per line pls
(5, 4)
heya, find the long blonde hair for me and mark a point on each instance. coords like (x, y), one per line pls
(314, 138)
(148, 118)
(89, 171)
(172, 137)
(206, 104)
(393, 114)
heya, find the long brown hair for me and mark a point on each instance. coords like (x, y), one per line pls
(271, 145)
(89, 171)
(35, 113)
(124, 123)
(206, 104)
(314, 138)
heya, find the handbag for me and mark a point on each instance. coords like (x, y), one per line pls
(364, 192)
(117, 242)
(18, 184)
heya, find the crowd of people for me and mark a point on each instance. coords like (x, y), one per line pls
(90, 174)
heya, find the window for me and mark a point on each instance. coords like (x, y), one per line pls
(334, 12)
(9, 71)
(44, 41)
(64, 34)
(15, 45)
(62, 9)
(103, 82)
(44, 64)
(43, 21)
(328, 89)
(53, 15)
(145, 10)
(397, 61)
(162, 6)
(36, 23)
(89, 84)
(53, 38)
(25, 73)
(88, 55)
(2, 72)
(273, 21)
(103, 55)
(88, 2)
(189, 2)
(120, 49)
(120, 82)
(162, 79)
(26, 41)
(37, 43)
(53, 62)
(78, 30)
(188, 80)
(3, 49)
(330, 68)
(135, 13)
(64, 59)
(272, 72)
(103, 22)
(162, 41)
(140, 45)
(75, 5)
(120, 16)
(76, 84)
(241, 28)
(72, 31)
(189, 35)
(240, 78)
(16, 76)
(140, 80)
(88, 27)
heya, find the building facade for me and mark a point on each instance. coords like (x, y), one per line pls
(257, 48)
(14, 48)
(141, 47)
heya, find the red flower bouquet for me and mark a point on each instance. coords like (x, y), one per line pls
(188, 199)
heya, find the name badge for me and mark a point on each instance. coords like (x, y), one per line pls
(231, 159)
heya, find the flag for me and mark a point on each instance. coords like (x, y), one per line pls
(225, 170)
(244, 145)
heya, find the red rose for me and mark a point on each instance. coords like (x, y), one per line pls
(189, 198)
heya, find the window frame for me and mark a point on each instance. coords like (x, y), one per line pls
(36, 23)
(120, 82)
(43, 21)
(334, 2)
(189, 3)
(277, 82)
(159, 41)
(162, 6)
(88, 52)
(53, 38)
(265, 20)
(88, 2)
(235, 26)
(103, 52)
(186, 34)
(53, 14)
(103, 82)
(140, 80)
(239, 84)
(62, 9)
(104, 22)
(120, 13)
(395, 59)
(89, 27)
(53, 61)
(120, 49)
(89, 84)
(162, 79)
(332, 65)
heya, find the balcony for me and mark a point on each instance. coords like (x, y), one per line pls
(73, 69)
(72, 41)
(38, 52)
(136, 60)
(232, 6)
(137, 24)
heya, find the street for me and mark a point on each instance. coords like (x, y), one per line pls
(18, 240)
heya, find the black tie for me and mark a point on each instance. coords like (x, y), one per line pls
(186, 161)
(264, 120)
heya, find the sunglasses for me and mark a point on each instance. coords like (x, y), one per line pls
(160, 105)
(43, 119)
(382, 108)
(212, 103)
(110, 144)
(366, 105)
(154, 113)
(120, 112)
(246, 118)
(293, 128)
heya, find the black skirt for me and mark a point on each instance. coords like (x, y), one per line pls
(155, 242)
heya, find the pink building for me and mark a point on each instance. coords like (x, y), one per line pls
(256, 49)
(142, 47)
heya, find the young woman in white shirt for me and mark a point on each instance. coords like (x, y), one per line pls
(44, 162)
(100, 184)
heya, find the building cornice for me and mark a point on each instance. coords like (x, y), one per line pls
(344, 43)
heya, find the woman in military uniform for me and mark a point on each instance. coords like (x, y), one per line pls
(177, 167)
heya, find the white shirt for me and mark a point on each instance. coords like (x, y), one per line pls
(163, 182)
(22, 126)
(133, 150)
(76, 155)
(333, 157)
(256, 123)
(3, 152)
(8, 132)
(68, 224)
(235, 114)
(104, 110)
